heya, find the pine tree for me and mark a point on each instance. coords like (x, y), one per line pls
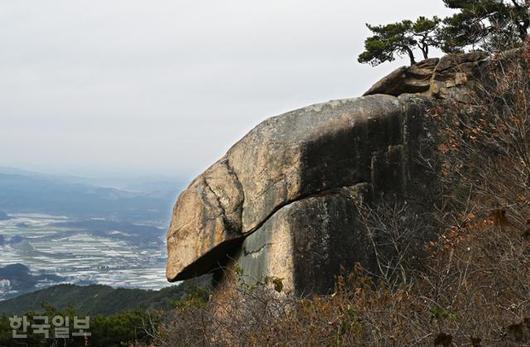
(490, 25)
(402, 38)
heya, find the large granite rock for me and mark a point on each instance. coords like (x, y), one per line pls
(281, 205)
(283, 160)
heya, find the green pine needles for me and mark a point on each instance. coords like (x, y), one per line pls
(490, 25)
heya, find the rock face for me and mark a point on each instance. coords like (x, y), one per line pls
(306, 244)
(283, 160)
(281, 204)
(432, 77)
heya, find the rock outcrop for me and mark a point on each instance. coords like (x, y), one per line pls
(286, 159)
(282, 203)
(432, 77)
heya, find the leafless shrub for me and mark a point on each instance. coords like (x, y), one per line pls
(397, 233)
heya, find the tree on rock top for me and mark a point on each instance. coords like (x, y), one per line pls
(490, 25)
(401, 38)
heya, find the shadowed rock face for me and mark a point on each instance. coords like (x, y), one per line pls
(283, 160)
(281, 204)
(310, 150)
(308, 243)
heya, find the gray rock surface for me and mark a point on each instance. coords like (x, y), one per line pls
(285, 159)
(281, 204)
(307, 244)
(432, 77)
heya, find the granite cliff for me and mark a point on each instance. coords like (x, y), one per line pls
(283, 202)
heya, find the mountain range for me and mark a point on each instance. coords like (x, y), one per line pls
(30, 192)
(100, 299)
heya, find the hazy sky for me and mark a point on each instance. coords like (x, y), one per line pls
(167, 86)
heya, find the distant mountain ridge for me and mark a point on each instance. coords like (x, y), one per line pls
(100, 299)
(19, 278)
(25, 192)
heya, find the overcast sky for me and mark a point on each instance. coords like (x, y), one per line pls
(167, 86)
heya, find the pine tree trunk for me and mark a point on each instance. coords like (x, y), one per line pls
(411, 55)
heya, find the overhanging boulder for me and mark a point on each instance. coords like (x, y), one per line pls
(283, 160)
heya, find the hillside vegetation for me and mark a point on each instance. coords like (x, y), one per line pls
(117, 316)
(98, 299)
